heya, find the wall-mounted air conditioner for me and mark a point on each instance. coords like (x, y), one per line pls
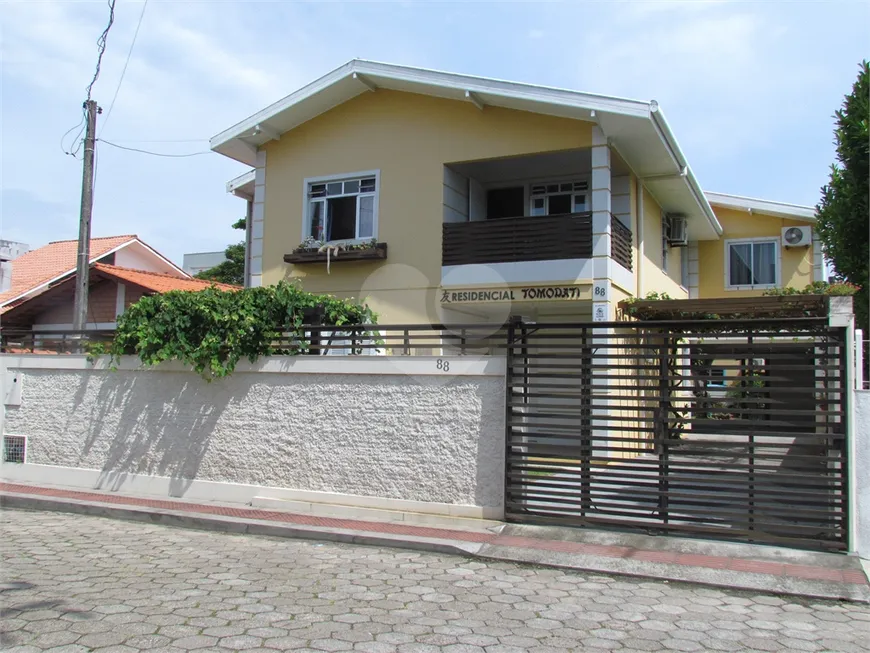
(797, 236)
(679, 232)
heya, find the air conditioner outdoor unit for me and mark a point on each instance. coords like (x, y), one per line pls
(797, 236)
(679, 236)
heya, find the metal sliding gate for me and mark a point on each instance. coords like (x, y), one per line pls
(719, 428)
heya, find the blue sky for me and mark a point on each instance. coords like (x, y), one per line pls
(748, 87)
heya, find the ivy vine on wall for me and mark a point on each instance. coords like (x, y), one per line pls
(212, 330)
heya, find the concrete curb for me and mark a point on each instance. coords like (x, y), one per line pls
(719, 578)
(180, 519)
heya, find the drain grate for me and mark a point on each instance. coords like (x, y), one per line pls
(14, 448)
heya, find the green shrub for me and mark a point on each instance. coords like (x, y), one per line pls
(212, 330)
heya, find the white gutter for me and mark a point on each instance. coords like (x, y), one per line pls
(670, 142)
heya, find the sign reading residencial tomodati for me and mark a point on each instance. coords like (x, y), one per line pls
(532, 293)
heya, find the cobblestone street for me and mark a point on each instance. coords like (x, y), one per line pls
(76, 583)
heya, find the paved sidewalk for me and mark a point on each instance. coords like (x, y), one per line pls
(732, 565)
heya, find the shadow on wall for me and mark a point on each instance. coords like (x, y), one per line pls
(142, 424)
(489, 487)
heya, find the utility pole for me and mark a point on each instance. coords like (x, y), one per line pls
(80, 311)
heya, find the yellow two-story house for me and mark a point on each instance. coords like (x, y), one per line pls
(439, 197)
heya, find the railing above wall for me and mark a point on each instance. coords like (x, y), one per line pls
(346, 340)
(55, 341)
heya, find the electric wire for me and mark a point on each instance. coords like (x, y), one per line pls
(124, 70)
(101, 48)
(136, 149)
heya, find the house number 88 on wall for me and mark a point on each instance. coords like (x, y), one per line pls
(600, 292)
(442, 365)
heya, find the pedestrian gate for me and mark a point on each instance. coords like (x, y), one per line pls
(718, 428)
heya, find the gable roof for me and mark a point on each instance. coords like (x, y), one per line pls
(38, 269)
(157, 282)
(41, 266)
(637, 129)
(765, 207)
(152, 282)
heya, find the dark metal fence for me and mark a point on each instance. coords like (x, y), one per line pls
(56, 341)
(314, 340)
(731, 429)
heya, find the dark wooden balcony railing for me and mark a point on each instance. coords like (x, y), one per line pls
(538, 238)
(620, 243)
(508, 240)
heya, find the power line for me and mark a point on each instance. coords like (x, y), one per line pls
(101, 47)
(135, 149)
(81, 125)
(124, 70)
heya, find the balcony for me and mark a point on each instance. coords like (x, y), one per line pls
(541, 238)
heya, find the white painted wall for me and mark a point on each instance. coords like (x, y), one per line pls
(391, 428)
(861, 464)
(455, 196)
(139, 257)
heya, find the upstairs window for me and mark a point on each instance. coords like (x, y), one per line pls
(559, 198)
(342, 208)
(751, 264)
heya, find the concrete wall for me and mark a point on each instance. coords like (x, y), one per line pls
(390, 428)
(861, 465)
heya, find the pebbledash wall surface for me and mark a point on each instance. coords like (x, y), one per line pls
(388, 433)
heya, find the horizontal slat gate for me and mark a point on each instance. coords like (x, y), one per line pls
(725, 429)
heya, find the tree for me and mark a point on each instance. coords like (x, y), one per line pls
(233, 269)
(844, 210)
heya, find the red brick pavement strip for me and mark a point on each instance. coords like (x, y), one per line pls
(848, 576)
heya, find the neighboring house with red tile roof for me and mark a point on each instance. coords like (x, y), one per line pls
(123, 269)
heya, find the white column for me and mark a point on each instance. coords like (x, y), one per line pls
(603, 309)
(859, 521)
(818, 259)
(694, 270)
(258, 215)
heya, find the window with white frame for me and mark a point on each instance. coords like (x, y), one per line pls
(343, 208)
(751, 263)
(558, 198)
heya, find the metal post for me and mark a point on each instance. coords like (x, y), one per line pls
(80, 310)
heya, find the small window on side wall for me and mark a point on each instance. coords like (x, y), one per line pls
(342, 209)
(751, 264)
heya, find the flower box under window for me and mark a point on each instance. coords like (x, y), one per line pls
(368, 252)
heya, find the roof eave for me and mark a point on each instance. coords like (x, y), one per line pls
(764, 207)
(670, 141)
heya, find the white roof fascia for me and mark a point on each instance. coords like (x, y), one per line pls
(504, 88)
(452, 81)
(670, 141)
(164, 259)
(765, 207)
(243, 179)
